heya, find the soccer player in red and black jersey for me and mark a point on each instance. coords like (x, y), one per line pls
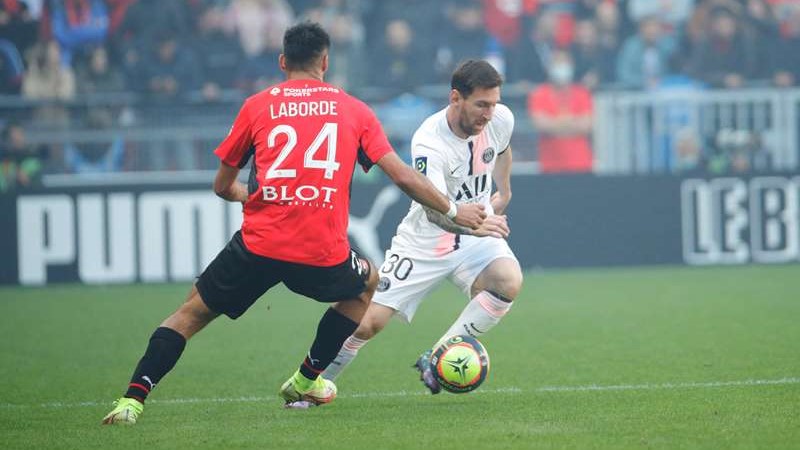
(304, 137)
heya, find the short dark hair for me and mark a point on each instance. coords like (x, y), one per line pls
(303, 44)
(475, 73)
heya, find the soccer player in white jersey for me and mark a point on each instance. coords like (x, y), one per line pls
(461, 149)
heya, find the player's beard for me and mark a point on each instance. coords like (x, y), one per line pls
(471, 127)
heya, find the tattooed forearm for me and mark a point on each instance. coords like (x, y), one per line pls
(440, 220)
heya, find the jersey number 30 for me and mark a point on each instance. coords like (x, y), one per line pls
(326, 134)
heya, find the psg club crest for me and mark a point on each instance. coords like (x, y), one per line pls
(421, 164)
(488, 155)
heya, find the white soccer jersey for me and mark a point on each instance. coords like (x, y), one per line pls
(459, 168)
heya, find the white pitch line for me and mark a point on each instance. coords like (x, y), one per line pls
(506, 390)
(649, 386)
(248, 399)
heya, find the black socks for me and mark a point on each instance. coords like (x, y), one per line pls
(332, 331)
(163, 351)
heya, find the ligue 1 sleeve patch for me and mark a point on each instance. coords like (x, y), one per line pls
(421, 164)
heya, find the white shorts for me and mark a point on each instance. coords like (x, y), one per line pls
(406, 278)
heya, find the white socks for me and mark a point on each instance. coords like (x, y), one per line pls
(482, 313)
(348, 351)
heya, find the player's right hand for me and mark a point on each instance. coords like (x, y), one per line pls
(470, 215)
(493, 226)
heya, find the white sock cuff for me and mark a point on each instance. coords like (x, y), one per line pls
(492, 305)
(353, 344)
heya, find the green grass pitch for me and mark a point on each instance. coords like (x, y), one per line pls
(661, 358)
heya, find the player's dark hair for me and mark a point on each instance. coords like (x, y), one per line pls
(473, 74)
(304, 44)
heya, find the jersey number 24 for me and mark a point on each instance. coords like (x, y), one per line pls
(326, 135)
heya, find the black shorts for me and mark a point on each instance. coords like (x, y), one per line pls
(236, 278)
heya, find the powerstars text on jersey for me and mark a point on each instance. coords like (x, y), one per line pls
(305, 137)
(459, 168)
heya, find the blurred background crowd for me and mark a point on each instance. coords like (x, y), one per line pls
(108, 86)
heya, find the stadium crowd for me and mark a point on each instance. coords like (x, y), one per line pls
(556, 52)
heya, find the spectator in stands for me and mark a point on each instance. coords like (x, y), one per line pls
(689, 158)
(587, 9)
(726, 56)
(594, 63)
(117, 10)
(46, 77)
(561, 111)
(17, 25)
(11, 68)
(171, 71)
(762, 27)
(76, 24)
(260, 71)
(343, 21)
(696, 30)
(563, 12)
(644, 58)
(218, 51)
(425, 18)
(787, 57)
(671, 13)
(20, 163)
(131, 61)
(95, 74)
(96, 157)
(394, 64)
(535, 51)
(737, 152)
(505, 23)
(607, 18)
(464, 36)
(170, 74)
(136, 25)
(145, 18)
(260, 23)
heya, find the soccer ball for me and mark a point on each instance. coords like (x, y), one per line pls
(460, 364)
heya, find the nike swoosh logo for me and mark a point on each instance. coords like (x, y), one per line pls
(452, 172)
(472, 325)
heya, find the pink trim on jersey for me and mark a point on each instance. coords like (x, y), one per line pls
(480, 144)
(446, 244)
(495, 307)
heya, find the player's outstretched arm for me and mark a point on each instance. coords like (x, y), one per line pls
(226, 186)
(425, 193)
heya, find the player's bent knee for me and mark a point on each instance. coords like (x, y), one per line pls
(514, 284)
(367, 329)
(503, 277)
(511, 280)
(507, 285)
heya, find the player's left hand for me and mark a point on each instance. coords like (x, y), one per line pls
(500, 202)
(470, 215)
(494, 226)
